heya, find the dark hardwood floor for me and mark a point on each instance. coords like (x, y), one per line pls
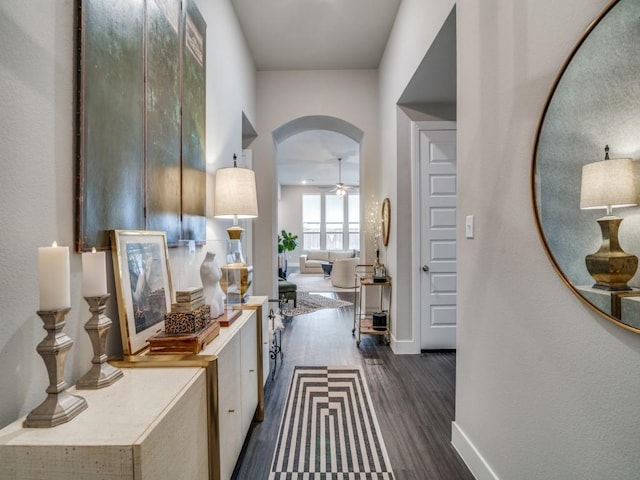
(413, 397)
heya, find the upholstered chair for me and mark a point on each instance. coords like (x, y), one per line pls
(343, 273)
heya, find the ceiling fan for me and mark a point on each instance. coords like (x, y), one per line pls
(340, 189)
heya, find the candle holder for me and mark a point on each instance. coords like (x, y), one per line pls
(59, 406)
(101, 374)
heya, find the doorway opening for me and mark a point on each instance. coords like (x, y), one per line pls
(318, 174)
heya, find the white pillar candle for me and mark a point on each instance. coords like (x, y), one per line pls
(94, 274)
(54, 277)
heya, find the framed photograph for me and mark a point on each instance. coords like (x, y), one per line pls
(143, 285)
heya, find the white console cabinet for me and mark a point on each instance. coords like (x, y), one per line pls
(170, 417)
(151, 424)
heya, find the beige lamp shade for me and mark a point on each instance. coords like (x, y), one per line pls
(235, 193)
(609, 183)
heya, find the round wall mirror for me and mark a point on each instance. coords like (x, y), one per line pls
(595, 104)
(386, 221)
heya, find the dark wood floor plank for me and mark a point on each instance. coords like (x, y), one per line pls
(413, 397)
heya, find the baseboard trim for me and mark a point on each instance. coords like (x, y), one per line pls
(470, 455)
(403, 347)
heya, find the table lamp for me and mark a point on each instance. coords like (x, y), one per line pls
(609, 184)
(235, 197)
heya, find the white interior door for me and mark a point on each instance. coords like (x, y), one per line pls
(437, 164)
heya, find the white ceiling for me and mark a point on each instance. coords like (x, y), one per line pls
(337, 34)
(313, 155)
(316, 34)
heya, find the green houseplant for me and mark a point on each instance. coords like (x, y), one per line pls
(287, 242)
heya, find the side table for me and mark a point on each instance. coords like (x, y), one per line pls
(326, 268)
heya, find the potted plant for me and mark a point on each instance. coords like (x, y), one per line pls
(287, 242)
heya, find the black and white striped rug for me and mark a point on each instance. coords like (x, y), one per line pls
(329, 430)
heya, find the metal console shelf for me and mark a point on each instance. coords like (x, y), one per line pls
(363, 321)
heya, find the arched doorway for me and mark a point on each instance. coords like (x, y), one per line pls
(318, 174)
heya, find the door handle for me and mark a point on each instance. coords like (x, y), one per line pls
(425, 268)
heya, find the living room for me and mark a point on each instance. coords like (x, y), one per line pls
(318, 171)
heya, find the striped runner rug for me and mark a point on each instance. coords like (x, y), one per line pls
(329, 430)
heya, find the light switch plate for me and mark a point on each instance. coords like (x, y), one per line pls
(468, 227)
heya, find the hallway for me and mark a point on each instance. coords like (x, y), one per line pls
(413, 396)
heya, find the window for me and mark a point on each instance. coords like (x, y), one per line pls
(311, 217)
(354, 222)
(330, 222)
(334, 222)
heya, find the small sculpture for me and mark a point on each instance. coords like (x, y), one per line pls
(210, 274)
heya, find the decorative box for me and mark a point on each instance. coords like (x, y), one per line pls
(188, 306)
(180, 323)
(189, 294)
(189, 343)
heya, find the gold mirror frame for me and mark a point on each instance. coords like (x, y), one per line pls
(603, 14)
(385, 215)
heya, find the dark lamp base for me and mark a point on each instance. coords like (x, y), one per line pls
(612, 288)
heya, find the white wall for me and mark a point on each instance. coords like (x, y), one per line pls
(545, 387)
(416, 26)
(36, 185)
(231, 90)
(350, 95)
(290, 216)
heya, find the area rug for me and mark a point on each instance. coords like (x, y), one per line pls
(309, 282)
(309, 302)
(329, 430)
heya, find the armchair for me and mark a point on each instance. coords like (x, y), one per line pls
(343, 273)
